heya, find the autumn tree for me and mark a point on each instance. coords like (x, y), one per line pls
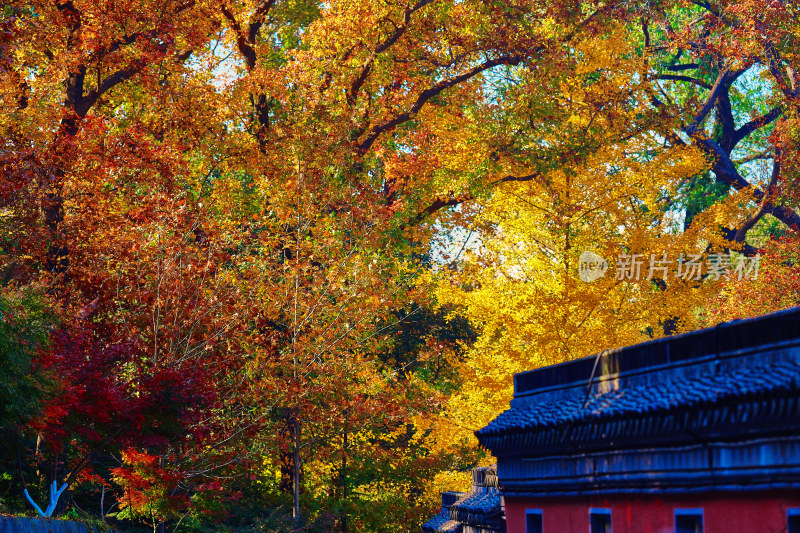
(99, 210)
(346, 139)
(227, 203)
(664, 134)
(127, 148)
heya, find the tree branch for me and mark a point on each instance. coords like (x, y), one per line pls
(245, 47)
(711, 9)
(599, 11)
(116, 78)
(246, 40)
(725, 77)
(675, 77)
(427, 94)
(789, 88)
(766, 154)
(726, 172)
(755, 124)
(452, 199)
(680, 68)
(726, 120)
(73, 19)
(80, 103)
(124, 41)
(366, 68)
(258, 19)
(741, 231)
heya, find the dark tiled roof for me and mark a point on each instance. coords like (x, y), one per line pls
(717, 409)
(441, 523)
(729, 337)
(754, 398)
(479, 509)
(672, 393)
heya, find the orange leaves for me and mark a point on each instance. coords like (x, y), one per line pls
(150, 489)
(228, 200)
(776, 287)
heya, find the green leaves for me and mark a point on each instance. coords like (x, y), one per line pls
(25, 324)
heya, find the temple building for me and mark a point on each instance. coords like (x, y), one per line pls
(477, 511)
(695, 433)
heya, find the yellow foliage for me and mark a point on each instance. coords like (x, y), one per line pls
(606, 191)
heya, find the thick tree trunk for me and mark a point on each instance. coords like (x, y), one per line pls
(57, 260)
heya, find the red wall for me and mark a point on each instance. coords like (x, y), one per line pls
(722, 513)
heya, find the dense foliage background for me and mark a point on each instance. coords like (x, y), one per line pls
(265, 265)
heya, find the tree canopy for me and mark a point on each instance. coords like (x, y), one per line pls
(268, 263)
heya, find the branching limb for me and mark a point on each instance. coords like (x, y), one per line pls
(766, 154)
(689, 79)
(725, 78)
(423, 98)
(726, 172)
(755, 124)
(787, 79)
(741, 232)
(55, 494)
(452, 199)
(366, 68)
(246, 38)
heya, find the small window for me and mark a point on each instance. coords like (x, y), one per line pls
(599, 520)
(793, 520)
(688, 521)
(533, 521)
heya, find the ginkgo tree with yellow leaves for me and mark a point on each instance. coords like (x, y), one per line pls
(664, 138)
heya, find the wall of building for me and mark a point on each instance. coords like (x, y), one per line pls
(731, 513)
(21, 524)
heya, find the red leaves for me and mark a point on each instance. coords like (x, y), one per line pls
(110, 396)
(777, 286)
(150, 489)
